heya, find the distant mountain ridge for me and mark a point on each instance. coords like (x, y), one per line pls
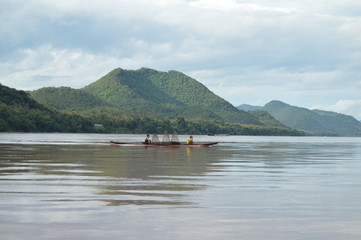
(316, 122)
(247, 107)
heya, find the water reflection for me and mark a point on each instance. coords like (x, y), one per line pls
(153, 175)
(250, 188)
(99, 173)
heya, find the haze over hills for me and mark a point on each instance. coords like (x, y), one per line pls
(316, 122)
(247, 107)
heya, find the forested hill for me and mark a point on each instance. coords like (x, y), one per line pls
(146, 92)
(316, 121)
(66, 98)
(141, 101)
(20, 113)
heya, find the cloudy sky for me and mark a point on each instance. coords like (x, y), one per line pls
(303, 52)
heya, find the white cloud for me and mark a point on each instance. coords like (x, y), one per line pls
(48, 66)
(349, 107)
(302, 52)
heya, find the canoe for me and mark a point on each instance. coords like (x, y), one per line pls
(163, 144)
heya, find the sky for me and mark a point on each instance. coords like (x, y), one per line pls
(306, 53)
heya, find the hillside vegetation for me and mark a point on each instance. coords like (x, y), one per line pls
(315, 122)
(266, 118)
(145, 92)
(146, 100)
(148, 92)
(20, 113)
(66, 98)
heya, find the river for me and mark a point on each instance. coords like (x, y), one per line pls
(77, 186)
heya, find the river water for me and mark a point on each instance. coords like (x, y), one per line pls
(77, 186)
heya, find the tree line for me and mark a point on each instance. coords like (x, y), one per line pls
(116, 124)
(36, 120)
(20, 113)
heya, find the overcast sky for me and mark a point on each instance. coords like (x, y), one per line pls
(305, 53)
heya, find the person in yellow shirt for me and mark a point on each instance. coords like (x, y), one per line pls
(190, 140)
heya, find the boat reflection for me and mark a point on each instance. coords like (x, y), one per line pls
(100, 173)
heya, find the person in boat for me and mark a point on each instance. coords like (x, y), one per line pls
(147, 140)
(190, 140)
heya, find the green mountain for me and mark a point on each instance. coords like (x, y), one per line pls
(66, 98)
(146, 92)
(266, 118)
(314, 121)
(146, 100)
(20, 113)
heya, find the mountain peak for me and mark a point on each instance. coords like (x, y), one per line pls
(277, 103)
(150, 92)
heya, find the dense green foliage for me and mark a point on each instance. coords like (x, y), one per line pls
(66, 98)
(146, 100)
(314, 121)
(127, 101)
(266, 118)
(20, 113)
(146, 92)
(114, 124)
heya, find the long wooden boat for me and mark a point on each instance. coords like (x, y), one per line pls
(163, 144)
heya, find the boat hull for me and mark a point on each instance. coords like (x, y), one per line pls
(163, 144)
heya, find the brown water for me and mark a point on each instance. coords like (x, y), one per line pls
(74, 186)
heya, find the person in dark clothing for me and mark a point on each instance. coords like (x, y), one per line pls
(147, 140)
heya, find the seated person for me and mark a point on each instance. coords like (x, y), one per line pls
(147, 140)
(190, 140)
